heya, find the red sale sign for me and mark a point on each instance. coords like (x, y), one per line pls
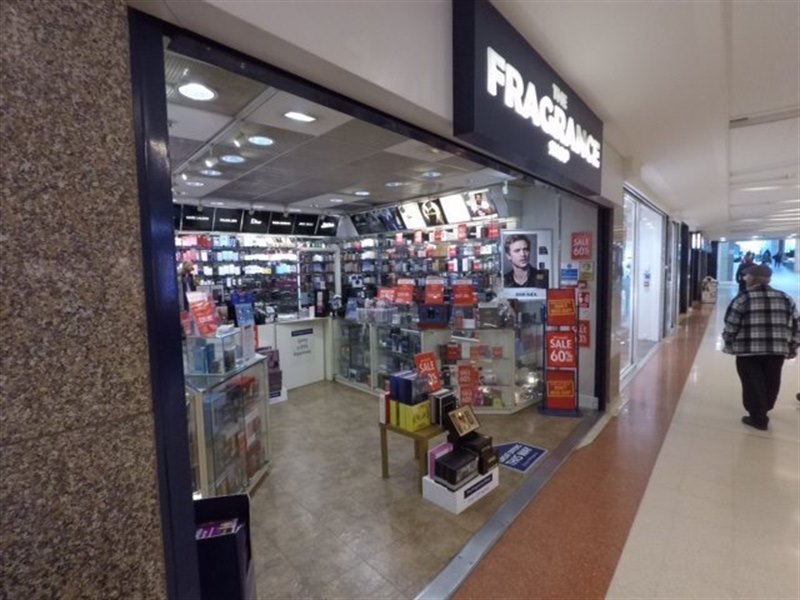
(561, 309)
(560, 390)
(404, 294)
(581, 245)
(463, 294)
(584, 334)
(426, 367)
(386, 294)
(561, 352)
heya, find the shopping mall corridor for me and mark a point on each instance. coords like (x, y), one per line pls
(675, 498)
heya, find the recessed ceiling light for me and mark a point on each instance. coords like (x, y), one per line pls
(210, 172)
(394, 184)
(218, 203)
(233, 159)
(195, 183)
(760, 188)
(361, 193)
(298, 116)
(184, 176)
(197, 91)
(260, 140)
(431, 174)
(211, 161)
(294, 210)
(723, 239)
(755, 237)
(335, 200)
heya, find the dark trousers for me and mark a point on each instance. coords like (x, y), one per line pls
(761, 379)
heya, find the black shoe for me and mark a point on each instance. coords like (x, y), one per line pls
(751, 423)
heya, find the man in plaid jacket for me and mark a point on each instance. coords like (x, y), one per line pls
(761, 330)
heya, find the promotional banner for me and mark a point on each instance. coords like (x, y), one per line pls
(404, 293)
(468, 382)
(386, 294)
(427, 367)
(560, 390)
(526, 263)
(561, 350)
(434, 291)
(561, 308)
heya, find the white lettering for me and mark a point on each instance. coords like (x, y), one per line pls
(545, 113)
(495, 65)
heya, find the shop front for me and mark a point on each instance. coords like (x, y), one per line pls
(330, 249)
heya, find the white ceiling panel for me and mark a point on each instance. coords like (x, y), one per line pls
(272, 113)
(194, 123)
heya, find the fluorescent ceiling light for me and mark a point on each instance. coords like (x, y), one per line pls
(755, 237)
(233, 159)
(723, 239)
(197, 91)
(260, 140)
(361, 193)
(335, 200)
(298, 116)
(211, 172)
(211, 161)
(195, 183)
(218, 203)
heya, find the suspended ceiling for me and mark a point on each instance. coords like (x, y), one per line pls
(701, 99)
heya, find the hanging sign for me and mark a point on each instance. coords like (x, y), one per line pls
(581, 247)
(561, 352)
(427, 368)
(584, 333)
(560, 390)
(561, 309)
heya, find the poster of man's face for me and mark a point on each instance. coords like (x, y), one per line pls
(525, 264)
(480, 206)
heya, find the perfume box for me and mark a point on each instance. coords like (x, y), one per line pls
(442, 402)
(456, 468)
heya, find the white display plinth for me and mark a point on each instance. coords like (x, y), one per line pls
(464, 497)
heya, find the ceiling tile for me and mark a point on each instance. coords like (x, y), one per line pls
(366, 134)
(271, 113)
(194, 123)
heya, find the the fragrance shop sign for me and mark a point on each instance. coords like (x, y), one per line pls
(508, 100)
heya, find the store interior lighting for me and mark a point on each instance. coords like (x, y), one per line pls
(197, 91)
(299, 116)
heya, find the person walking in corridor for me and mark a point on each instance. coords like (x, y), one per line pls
(762, 329)
(747, 262)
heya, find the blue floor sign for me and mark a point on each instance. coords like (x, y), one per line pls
(519, 456)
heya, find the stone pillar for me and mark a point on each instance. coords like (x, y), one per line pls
(80, 515)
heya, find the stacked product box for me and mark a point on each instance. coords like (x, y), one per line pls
(409, 407)
(275, 374)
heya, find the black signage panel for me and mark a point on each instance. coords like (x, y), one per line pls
(176, 216)
(256, 222)
(509, 101)
(327, 225)
(305, 224)
(281, 224)
(367, 222)
(228, 219)
(195, 218)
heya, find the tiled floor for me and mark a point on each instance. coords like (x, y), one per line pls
(714, 513)
(326, 525)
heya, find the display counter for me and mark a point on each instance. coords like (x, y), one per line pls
(229, 428)
(304, 347)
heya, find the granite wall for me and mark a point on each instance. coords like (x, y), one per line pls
(80, 512)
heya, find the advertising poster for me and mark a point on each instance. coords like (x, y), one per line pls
(560, 391)
(432, 212)
(427, 367)
(404, 293)
(561, 308)
(584, 298)
(561, 350)
(581, 246)
(480, 206)
(584, 333)
(455, 209)
(587, 271)
(463, 293)
(569, 275)
(411, 215)
(386, 293)
(434, 291)
(526, 263)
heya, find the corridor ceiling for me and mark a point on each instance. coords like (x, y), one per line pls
(700, 98)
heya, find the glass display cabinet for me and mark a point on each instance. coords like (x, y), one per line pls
(395, 350)
(353, 340)
(228, 428)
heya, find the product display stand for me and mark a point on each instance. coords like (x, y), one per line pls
(421, 439)
(561, 355)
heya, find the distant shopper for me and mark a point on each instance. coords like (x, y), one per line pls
(186, 276)
(746, 263)
(778, 259)
(766, 258)
(761, 329)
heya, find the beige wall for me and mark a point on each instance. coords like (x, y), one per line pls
(80, 512)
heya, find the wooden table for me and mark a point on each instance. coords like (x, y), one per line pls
(420, 437)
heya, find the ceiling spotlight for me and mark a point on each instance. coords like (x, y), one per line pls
(394, 184)
(237, 141)
(210, 172)
(195, 183)
(211, 161)
(431, 174)
(260, 140)
(298, 116)
(200, 207)
(184, 176)
(361, 193)
(197, 91)
(335, 200)
(252, 210)
(233, 159)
